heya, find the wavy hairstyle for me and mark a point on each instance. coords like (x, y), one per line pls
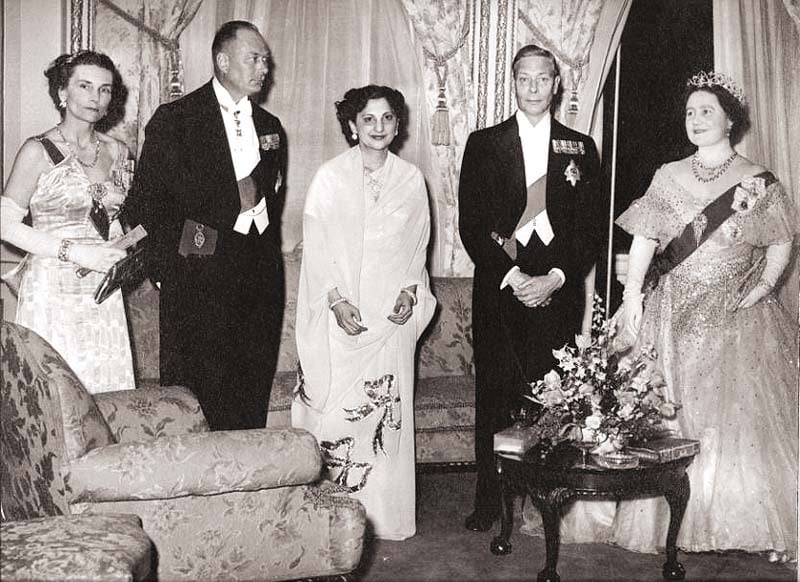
(61, 70)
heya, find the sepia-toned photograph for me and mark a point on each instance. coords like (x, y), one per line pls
(399, 290)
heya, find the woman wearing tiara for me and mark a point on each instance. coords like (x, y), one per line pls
(70, 179)
(711, 237)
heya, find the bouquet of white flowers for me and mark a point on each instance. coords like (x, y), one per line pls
(597, 398)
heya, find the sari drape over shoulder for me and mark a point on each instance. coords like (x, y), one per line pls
(357, 391)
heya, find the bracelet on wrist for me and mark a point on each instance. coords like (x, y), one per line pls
(63, 250)
(631, 295)
(337, 302)
(410, 294)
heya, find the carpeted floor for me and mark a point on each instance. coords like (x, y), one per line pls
(443, 550)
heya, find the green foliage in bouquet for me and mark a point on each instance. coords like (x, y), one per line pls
(594, 396)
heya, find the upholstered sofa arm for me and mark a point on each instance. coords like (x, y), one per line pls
(206, 463)
(145, 414)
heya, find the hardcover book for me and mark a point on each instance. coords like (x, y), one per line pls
(666, 449)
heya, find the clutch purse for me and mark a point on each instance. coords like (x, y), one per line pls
(123, 272)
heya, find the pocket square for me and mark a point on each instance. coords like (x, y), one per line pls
(270, 141)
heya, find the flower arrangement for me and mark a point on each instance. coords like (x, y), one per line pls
(598, 398)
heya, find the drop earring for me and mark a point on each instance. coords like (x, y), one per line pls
(354, 135)
(62, 104)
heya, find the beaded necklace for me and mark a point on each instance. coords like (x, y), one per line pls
(91, 164)
(716, 171)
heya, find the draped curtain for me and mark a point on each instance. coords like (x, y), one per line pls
(319, 51)
(793, 8)
(758, 43)
(441, 28)
(584, 36)
(153, 28)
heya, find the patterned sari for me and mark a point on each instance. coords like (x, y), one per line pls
(356, 394)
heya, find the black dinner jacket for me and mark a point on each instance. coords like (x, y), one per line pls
(493, 195)
(185, 171)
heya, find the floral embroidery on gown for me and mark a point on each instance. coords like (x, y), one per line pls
(58, 305)
(735, 374)
(357, 392)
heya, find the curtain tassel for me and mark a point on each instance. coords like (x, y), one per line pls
(440, 123)
(175, 85)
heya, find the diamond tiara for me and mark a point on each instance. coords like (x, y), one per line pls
(704, 79)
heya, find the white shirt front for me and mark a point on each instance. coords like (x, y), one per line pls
(535, 152)
(245, 155)
(535, 140)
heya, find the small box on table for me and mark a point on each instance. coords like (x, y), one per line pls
(515, 439)
(665, 449)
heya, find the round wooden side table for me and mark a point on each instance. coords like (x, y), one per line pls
(553, 481)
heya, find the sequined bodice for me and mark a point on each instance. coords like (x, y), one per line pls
(707, 285)
(62, 201)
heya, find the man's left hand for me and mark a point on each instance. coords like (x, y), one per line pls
(537, 290)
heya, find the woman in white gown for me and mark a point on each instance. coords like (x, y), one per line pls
(716, 231)
(66, 179)
(363, 301)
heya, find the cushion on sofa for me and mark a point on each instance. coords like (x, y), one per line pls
(31, 483)
(111, 548)
(84, 426)
(445, 348)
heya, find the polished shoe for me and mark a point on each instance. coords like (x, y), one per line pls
(479, 522)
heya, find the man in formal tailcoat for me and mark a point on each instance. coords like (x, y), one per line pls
(528, 199)
(208, 190)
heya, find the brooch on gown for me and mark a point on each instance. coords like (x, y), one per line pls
(748, 193)
(572, 173)
(699, 224)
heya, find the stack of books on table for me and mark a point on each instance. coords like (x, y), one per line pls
(665, 449)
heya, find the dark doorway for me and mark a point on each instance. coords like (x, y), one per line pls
(664, 43)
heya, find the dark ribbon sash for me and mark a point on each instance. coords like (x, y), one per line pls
(693, 236)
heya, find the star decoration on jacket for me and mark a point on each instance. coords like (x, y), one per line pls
(572, 173)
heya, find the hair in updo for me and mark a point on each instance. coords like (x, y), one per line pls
(60, 72)
(355, 100)
(735, 110)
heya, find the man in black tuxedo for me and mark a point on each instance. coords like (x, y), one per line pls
(208, 192)
(528, 199)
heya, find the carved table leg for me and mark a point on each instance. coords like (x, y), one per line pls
(501, 545)
(677, 497)
(550, 504)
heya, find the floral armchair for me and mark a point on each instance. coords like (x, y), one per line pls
(235, 505)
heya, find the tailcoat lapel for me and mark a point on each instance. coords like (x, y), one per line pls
(212, 137)
(555, 201)
(513, 167)
(215, 196)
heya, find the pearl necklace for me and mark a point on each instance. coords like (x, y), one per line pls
(716, 171)
(91, 164)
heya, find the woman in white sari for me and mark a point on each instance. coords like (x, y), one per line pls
(363, 301)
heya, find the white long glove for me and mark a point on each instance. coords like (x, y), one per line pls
(777, 257)
(641, 253)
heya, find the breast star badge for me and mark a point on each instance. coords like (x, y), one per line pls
(572, 173)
